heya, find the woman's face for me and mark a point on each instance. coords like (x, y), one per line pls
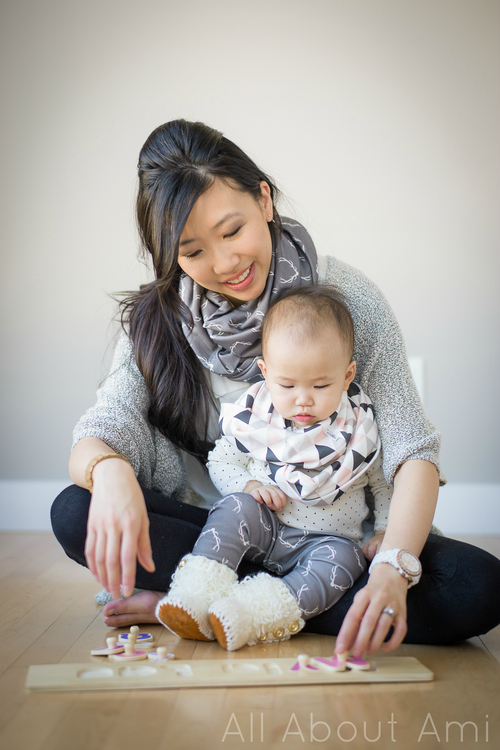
(226, 243)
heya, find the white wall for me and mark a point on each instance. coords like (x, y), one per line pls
(379, 119)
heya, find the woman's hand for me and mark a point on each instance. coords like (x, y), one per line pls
(372, 546)
(118, 528)
(412, 507)
(269, 494)
(365, 625)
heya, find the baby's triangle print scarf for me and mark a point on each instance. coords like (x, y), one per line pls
(226, 339)
(314, 465)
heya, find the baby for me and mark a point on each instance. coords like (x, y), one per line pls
(295, 455)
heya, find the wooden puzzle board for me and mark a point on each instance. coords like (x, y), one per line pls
(213, 673)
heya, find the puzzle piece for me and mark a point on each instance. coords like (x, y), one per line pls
(160, 655)
(130, 653)
(135, 656)
(337, 663)
(112, 648)
(141, 637)
(129, 647)
(303, 662)
(358, 663)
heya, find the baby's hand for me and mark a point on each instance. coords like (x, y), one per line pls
(372, 546)
(269, 494)
(272, 496)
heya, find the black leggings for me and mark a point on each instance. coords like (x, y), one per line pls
(457, 596)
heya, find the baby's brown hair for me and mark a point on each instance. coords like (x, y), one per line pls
(310, 309)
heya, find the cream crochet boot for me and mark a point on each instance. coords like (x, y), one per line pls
(197, 582)
(260, 609)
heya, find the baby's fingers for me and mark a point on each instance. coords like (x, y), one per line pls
(267, 498)
(279, 498)
(274, 498)
(256, 495)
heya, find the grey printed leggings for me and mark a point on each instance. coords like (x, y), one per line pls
(318, 568)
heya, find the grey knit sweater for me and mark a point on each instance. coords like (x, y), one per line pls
(120, 416)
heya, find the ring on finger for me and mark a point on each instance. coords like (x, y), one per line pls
(388, 611)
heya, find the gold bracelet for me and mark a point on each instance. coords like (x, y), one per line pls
(94, 462)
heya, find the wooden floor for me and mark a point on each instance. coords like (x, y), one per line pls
(49, 616)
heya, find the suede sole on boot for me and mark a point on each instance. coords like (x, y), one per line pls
(180, 622)
(219, 632)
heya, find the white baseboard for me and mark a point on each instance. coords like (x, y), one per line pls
(462, 508)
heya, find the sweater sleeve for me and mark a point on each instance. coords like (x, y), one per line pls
(227, 467)
(384, 373)
(120, 419)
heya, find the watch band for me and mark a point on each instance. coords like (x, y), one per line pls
(411, 568)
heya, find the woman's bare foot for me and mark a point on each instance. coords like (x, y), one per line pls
(134, 610)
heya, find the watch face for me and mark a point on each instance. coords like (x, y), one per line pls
(409, 562)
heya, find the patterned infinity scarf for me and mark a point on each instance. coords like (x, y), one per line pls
(226, 339)
(314, 465)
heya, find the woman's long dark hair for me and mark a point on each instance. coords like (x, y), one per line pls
(179, 161)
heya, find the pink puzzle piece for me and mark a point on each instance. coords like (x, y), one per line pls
(107, 651)
(334, 663)
(113, 647)
(135, 656)
(357, 663)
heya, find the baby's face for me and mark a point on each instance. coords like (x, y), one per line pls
(306, 379)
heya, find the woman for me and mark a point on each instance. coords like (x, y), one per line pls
(221, 253)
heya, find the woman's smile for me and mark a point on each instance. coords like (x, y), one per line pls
(243, 280)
